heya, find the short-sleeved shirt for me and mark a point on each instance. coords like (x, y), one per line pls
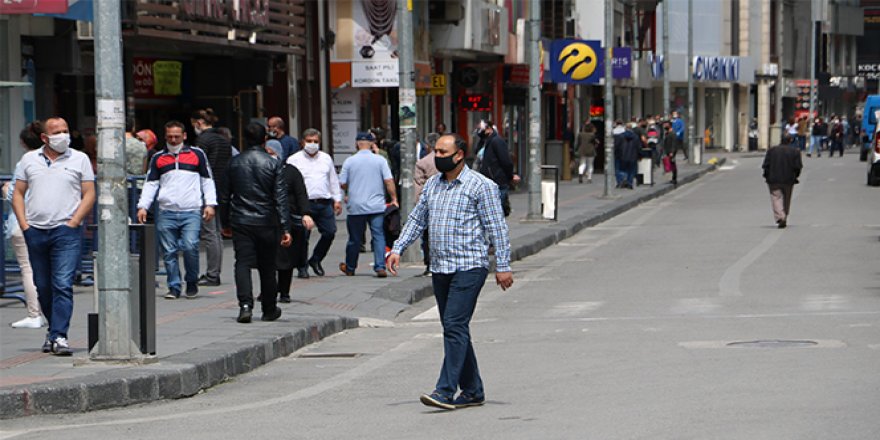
(55, 187)
(365, 174)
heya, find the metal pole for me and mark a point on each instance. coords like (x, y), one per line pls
(609, 97)
(812, 62)
(665, 64)
(690, 73)
(534, 56)
(115, 340)
(324, 79)
(407, 111)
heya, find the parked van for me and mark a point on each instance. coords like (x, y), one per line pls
(869, 124)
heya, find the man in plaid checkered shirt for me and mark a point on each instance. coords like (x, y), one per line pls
(462, 211)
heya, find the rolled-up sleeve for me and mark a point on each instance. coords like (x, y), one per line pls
(492, 217)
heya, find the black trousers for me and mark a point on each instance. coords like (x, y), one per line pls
(250, 244)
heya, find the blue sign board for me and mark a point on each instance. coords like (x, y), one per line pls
(621, 63)
(576, 61)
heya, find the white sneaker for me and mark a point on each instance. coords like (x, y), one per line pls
(29, 323)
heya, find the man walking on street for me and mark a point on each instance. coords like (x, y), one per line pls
(276, 131)
(462, 210)
(179, 179)
(216, 148)
(425, 168)
(61, 186)
(366, 177)
(256, 210)
(325, 196)
(496, 163)
(782, 166)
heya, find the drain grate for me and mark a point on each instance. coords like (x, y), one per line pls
(329, 355)
(773, 343)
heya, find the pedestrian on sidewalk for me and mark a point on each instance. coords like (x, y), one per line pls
(670, 146)
(425, 168)
(179, 179)
(496, 163)
(462, 210)
(289, 143)
(626, 150)
(782, 166)
(216, 148)
(255, 211)
(30, 140)
(586, 149)
(60, 186)
(817, 138)
(366, 177)
(293, 256)
(325, 197)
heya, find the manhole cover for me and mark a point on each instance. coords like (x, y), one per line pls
(773, 343)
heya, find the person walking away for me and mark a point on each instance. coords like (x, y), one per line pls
(802, 123)
(276, 131)
(325, 196)
(179, 179)
(216, 148)
(836, 134)
(496, 163)
(782, 167)
(627, 149)
(462, 209)
(60, 187)
(586, 149)
(135, 151)
(366, 177)
(30, 140)
(293, 256)
(255, 211)
(425, 168)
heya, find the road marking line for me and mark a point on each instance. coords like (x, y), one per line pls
(432, 314)
(729, 284)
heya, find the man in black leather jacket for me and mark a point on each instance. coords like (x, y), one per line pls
(496, 163)
(255, 208)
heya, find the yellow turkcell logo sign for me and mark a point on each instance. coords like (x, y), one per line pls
(578, 61)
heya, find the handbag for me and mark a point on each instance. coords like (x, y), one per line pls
(667, 164)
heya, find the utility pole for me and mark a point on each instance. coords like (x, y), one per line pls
(665, 64)
(115, 340)
(535, 159)
(695, 149)
(813, 61)
(609, 97)
(407, 111)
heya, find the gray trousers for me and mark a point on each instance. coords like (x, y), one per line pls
(780, 199)
(213, 242)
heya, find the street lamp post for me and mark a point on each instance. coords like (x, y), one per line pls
(609, 97)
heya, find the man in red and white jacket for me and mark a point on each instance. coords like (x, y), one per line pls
(179, 179)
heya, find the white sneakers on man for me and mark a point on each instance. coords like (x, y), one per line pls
(29, 322)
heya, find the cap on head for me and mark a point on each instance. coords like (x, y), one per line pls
(365, 136)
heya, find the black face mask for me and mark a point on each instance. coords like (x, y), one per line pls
(445, 164)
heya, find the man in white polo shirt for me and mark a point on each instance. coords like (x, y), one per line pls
(62, 192)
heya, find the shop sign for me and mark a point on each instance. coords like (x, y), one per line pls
(621, 63)
(576, 61)
(152, 77)
(869, 70)
(476, 102)
(374, 74)
(720, 69)
(33, 7)
(241, 12)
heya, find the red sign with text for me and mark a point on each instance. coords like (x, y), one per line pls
(33, 6)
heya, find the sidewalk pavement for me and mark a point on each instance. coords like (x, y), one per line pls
(200, 344)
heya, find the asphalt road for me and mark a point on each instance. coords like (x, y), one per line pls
(644, 327)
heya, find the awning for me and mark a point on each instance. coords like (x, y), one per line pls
(80, 10)
(10, 84)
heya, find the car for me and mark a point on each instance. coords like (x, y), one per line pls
(873, 158)
(869, 124)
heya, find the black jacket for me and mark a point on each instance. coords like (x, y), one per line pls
(627, 146)
(255, 194)
(219, 152)
(782, 165)
(496, 163)
(298, 204)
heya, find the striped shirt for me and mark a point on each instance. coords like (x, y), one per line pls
(463, 217)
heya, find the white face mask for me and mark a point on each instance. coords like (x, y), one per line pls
(198, 130)
(175, 148)
(59, 142)
(312, 148)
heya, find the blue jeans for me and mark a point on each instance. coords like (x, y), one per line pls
(178, 231)
(54, 254)
(356, 226)
(456, 296)
(815, 143)
(325, 220)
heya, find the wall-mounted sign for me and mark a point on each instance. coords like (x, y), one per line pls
(869, 70)
(721, 69)
(152, 77)
(621, 63)
(476, 102)
(576, 61)
(374, 74)
(33, 6)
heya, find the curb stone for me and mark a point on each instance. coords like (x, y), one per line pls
(173, 377)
